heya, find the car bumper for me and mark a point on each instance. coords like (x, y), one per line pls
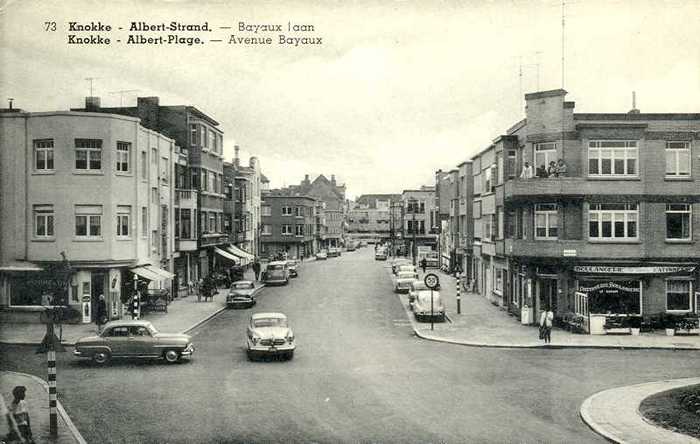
(235, 304)
(271, 350)
(187, 353)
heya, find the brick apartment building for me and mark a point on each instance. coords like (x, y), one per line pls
(369, 218)
(618, 231)
(288, 224)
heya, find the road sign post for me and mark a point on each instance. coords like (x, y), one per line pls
(50, 345)
(459, 298)
(431, 281)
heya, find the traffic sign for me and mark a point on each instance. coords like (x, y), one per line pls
(431, 281)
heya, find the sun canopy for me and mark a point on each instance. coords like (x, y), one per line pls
(240, 252)
(152, 273)
(226, 254)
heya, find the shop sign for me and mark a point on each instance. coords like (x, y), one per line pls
(634, 270)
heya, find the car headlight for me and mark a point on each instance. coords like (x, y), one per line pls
(290, 338)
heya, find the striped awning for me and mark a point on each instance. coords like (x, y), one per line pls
(152, 273)
(240, 252)
(226, 254)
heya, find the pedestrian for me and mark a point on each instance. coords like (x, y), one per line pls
(20, 413)
(101, 315)
(200, 288)
(526, 173)
(546, 319)
(190, 287)
(552, 169)
(256, 269)
(423, 264)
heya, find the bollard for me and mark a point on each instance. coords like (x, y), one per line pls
(459, 298)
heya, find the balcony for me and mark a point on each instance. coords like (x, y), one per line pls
(186, 199)
(185, 245)
(579, 187)
(228, 206)
(210, 239)
(574, 249)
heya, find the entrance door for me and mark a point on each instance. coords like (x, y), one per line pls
(547, 294)
(97, 284)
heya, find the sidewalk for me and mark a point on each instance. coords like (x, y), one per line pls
(615, 415)
(183, 314)
(38, 404)
(483, 324)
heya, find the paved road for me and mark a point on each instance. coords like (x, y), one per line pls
(358, 375)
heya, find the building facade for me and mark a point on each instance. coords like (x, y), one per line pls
(420, 219)
(288, 224)
(613, 232)
(96, 188)
(369, 217)
(334, 207)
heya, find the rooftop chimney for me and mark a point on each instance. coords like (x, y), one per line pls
(92, 103)
(10, 100)
(236, 159)
(306, 179)
(634, 109)
(333, 179)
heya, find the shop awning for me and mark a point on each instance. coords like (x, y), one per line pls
(19, 266)
(226, 254)
(240, 252)
(152, 273)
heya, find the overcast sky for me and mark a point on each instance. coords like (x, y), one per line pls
(396, 91)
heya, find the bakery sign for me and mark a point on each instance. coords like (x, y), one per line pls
(654, 269)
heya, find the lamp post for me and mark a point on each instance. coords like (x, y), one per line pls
(412, 204)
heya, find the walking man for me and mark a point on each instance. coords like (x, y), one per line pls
(256, 269)
(546, 319)
(101, 315)
(423, 264)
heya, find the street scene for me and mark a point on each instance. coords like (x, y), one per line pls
(383, 222)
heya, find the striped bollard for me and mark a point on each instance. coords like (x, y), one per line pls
(459, 298)
(51, 357)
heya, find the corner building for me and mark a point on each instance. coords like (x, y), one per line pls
(618, 230)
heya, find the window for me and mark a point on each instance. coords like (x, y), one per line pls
(185, 223)
(266, 210)
(88, 220)
(214, 140)
(212, 223)
(144, 222)
(204, 180)
(500, 221)
(286, 211)
(487, 221)
(499, 167)
(43, 221)
(613, 221)
(546, 221)
(545, 153)
(164, 169)
(678, 295)
(88, 154)
(299, 211)
(155, 198)
(123, 151)
(286, 230)
(194, 134)
(266, 229)
(212, 182)
(299, 230)
(154, 156)
(43, 155)
(678, 159)
(612, 158)
(144, 169)
(204, 137)
(510, 163)
(498, 274)
(678, 217)
(488, 186)
(123, 216)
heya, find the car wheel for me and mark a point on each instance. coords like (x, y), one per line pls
(101, 357)
(290, 355)
(250, 355)
(171, 356)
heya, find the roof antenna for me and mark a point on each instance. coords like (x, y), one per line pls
(634, 109)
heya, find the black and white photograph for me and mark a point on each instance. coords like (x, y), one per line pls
(373, 221)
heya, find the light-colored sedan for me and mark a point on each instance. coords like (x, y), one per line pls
(398, 262)
(406, 268)
(241, 294)
(424, 310)
(133, 339)
(415, 287)
(403, 281)
(321, 255)
(269, 334)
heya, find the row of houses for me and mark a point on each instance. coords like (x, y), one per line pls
(585, 213)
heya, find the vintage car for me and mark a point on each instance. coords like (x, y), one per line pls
(403, 281)
(133, 339)
(432, 260)
(398, 262)
(241, 294)
(321, 255)
(276, 272)
(292, 265)
(407, 267)
(269, 334)
(380, 254)
(333, 252)
(413, 290)
(350, 246)
(422, 306)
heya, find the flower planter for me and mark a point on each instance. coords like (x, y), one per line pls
(690, 331)
(635, 331)
(618, 331)
(670, 331)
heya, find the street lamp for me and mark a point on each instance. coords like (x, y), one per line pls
(412, 204)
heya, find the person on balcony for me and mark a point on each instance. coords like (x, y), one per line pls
(552, 169)
(561, 168)
(542, 172)
(527, 171)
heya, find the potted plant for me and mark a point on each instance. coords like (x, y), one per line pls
(687, 325)
(635, 324)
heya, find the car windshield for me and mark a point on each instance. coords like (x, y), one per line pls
(270, 322)
(242, 285)
(275, 267)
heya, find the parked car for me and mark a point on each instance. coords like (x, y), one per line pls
(269, 334)
(407, 267)
(380, 255)
(403, 281)
(422, 306)
(292, 265)
(413, 290)
(133, 339)
(350, 246)
(276, 273)
(398, 262)
(321, 255)
(241, 294)
(333, 252)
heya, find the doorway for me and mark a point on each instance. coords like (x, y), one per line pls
(547, 294)
(97, 286)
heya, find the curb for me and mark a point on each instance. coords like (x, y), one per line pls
(59, 407)
(587, 407)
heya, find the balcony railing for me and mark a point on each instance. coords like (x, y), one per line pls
(584, 186)
(186, 198)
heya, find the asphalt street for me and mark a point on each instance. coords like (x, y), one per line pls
(358, 374)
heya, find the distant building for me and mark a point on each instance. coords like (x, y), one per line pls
(334, 207)
(288, 224)
(420, 219)
(369, 217)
